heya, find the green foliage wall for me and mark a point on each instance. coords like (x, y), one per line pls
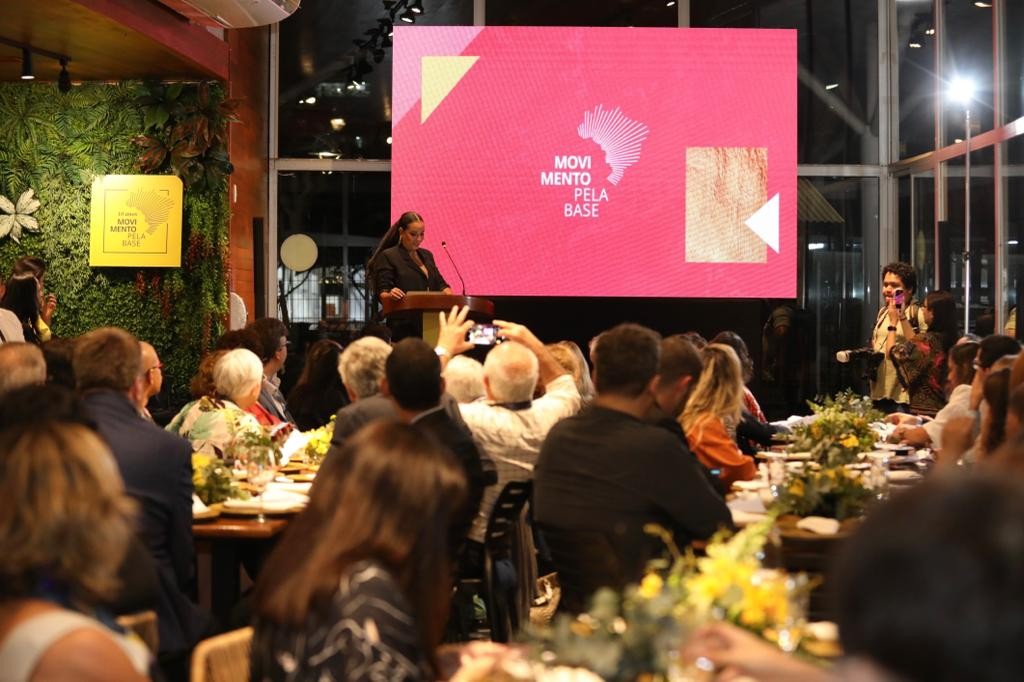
(56, 144)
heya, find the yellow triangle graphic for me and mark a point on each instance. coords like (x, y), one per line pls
(439, 76)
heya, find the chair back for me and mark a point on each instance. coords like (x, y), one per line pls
(586, 561)
(505, 516)
(144, 625)
(224, 658)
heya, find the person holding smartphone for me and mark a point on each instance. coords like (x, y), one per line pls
(899, 320)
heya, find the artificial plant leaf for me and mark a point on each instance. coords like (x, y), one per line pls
(26, 204)
(28, 222)
(5, 205)
(173, 92)
(156, 116)
(6, 223)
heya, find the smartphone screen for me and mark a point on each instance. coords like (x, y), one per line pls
(483, 335)
(897, 298)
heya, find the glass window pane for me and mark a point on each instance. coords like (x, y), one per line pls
(837, 101)
(1013, 189)
(319, 115)
(838, 270)
(916, 77)
(345, 214)
(982, 244)
(922, 228)
(968, 55)
(1013, 60)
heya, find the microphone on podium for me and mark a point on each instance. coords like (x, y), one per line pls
(444, 245)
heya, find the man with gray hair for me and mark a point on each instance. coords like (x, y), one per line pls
(150, 379)
(361, 366)
(21, 364)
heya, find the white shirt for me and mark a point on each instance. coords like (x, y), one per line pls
(512, 438)
(10, 327)
(958, 405)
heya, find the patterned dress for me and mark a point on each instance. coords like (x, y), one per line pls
(921, 369)
(367, 633)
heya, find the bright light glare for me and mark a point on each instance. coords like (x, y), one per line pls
(1012, 242)
(832, 86)
(389, 139)
(310, 100)
(914, 44)
(815, 246)
(961, 90)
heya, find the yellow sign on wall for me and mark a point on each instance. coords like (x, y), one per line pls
(136, 221)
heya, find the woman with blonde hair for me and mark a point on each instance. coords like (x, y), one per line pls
(65, 525)
(370, 598)
(570, 357)
(712, 413)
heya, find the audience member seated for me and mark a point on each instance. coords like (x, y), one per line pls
(753, 432)
(920, 361)
(570, 357)
(412, 380)
(21, 298)
(464, 379)
(36, 267)
(922, 432)
(150, 380)
(605, 473)
(993, 419)
(361, 366)
(960, 623)
(157, 470)
(50, 405)
(712, 410)
(273, 336)
(21, 364)
(58, 354)
(212, 422)
(373, 601)
(10, 327)
(64, 528)
(319, 393)
(240, 338)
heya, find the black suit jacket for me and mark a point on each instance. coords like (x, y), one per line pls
(157, 470)
(394, 268)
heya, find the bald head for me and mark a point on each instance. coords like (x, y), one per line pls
(21, 364)
(510, 373)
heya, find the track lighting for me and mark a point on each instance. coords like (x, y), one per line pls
(26, 65)
(408, 17)
(416, 6)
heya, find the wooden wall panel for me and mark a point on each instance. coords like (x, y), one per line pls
(249, 82)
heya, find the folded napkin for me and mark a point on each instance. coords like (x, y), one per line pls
(274, 499)
(755, 484)
(750, 504)
(819, 525)
(197, 505)
(291, 486)
(903, 475)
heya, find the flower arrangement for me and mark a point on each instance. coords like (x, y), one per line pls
(834, 492)
(319, 442)
(840, 431)
(211, 479)
(636, 635)
(255, 441)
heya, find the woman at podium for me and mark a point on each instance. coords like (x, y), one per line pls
(399, 266)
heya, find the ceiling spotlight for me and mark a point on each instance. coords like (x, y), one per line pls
(408, 17)
(389, 139)
(929, 31)
(309, 100)
(914, 44)
(961, 90)
(832, 86)
(26, 65)
(337, 124)
(64, 79)
(416, 6)
(670, 3)
(983, 5)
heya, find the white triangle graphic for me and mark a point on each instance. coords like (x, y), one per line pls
(765, 223)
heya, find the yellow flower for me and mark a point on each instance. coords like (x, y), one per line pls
(796, 488)
(650, 586)
(850, 441)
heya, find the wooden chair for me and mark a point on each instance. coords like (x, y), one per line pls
(144, 625)
(224, 658)
(502, 614)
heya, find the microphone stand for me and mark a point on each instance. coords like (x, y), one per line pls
(444, 245)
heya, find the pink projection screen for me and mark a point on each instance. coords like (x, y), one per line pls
(640, 162)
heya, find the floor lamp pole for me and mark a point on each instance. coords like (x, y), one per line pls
(967, 223)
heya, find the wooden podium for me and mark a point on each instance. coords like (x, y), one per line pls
(425, 305)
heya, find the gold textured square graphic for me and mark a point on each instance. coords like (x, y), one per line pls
(724, 187)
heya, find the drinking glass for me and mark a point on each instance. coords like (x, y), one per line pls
(878, 474)
(262, 469)
(776, 472)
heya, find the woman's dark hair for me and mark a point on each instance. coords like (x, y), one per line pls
(22, 298)
(997, 396)
(736, 342)
(963, 355)
(30, 265)
(906, 272)
(319, 392)
(963, 622)
(58, 354)
(390, 237)
(943, 309)
(994, 347)
(388, 496)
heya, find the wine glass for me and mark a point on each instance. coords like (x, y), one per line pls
(790, 630)
(262, 469)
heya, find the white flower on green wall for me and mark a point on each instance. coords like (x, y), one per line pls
(18, 216)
